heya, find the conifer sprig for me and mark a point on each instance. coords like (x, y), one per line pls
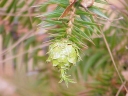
(70, 25)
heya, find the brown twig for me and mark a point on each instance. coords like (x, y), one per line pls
(71, 20)
(112, 58)
(28, 51)
(17, 43)
(118, 92)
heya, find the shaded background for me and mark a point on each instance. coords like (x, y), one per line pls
(23, 67)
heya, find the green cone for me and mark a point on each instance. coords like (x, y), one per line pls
(63, 54)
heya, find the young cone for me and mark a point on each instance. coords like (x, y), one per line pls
(63, 54)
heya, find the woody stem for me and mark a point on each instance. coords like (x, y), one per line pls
(71, 20)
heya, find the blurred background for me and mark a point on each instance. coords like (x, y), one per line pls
(23, 48)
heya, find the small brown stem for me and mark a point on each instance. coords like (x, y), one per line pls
(112, 58)
(71, 20)
(118, 92)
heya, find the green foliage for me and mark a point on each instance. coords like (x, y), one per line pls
(94, 74)
(83, 25)
(77, 25)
